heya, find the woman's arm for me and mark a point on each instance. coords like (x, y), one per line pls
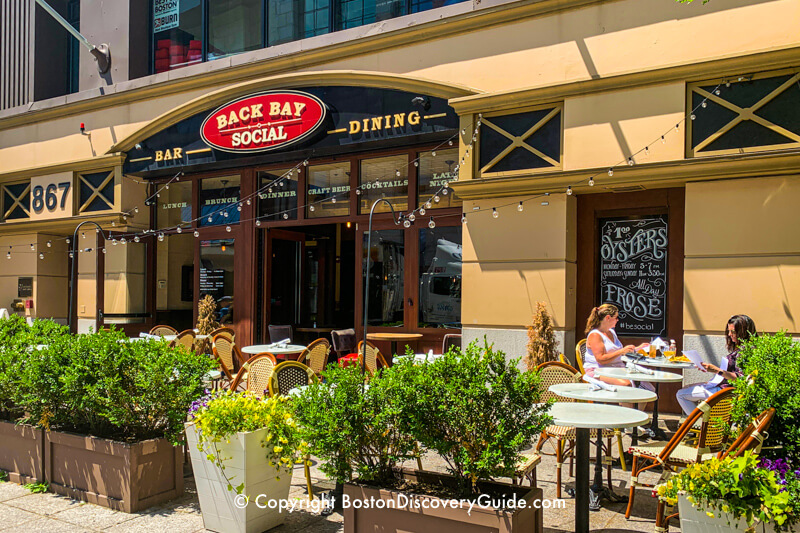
(598, 348)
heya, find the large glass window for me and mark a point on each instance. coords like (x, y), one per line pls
(178, 33)
(234, 26)
(387, 266)
(216, 276)
(434, 171)
(278, 197)
(328, 190)
(440, 277)
(354, 13)
(384, 177)
(174, 205)
(219, 199)
(125, 282)
(175, 280)
(291, 20)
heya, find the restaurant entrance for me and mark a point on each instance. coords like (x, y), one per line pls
(309, 274)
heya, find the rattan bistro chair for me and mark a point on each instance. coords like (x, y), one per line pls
(223, 331)
(715, 413)
(374, 357)
(316, 355)
(580, 352)
(186, 339)
(163, 330)
(256, 373)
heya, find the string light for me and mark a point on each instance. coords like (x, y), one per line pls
(258, 222)
(630, 161)
(519, 207)
(161, 237)
(646, 150)
(412, 217)
(422, 211)
(179, 230)
(406, 223)
(228, 229)
(495, 214)
(610, 172)
(463, 218)
(136, 239)
(569, 190)
(49, 244)
(196, 233)
(33, 248)
(591, 182)
(105, 251)
(431, 224)
(41, 255)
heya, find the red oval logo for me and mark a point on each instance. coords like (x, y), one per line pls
(262, 122)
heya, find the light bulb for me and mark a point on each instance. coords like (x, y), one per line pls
(406, 223)
(225, 214)
(463, 218)
(286, 216)
(422, 211)
(160, 237)
(428, 204)
(333, 200)
(71, 255)
(33, 248)
(431, 224)
(717, 91)
(136, 239)
(270, 189)
(663, 140)
(83, 235)
(248, 201)
(196, 233)
(464, 131)
(450, 142)
(49, 244)
(416, 163)
(178, 229)
(8, 255)
(646, 150)
(519, 207)
(630, 161)
(136, 209)
(114, 242)
(591, 182)
(358, 192)
(41, 255)
(305, 163)
(445, 191)
(239, 207)
(210, 218)
(105, 251)
(123, 240)
(677, 127)
(436, 199)
(433, 153)
(397, 173)
(692, 116)
(703, 104)
(569, 190)
(312, 208)
(610, 172)
(228, 229)
(68, 240)
(495, 214)
(412, 217)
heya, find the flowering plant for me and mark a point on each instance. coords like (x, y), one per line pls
(739, 487)
(219, 416)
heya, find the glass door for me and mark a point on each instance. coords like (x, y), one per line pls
(285, 267)
(124, 282)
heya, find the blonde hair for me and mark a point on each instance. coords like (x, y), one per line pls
(598, 314)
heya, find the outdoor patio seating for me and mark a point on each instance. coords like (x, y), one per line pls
(279, 333)
(580, 353)
(551, 373)
(186, 339)
(316, 355)
(255, 374)
(223, 331)
(374, 358)
(715, 413)
(163, 330)
(344, 341)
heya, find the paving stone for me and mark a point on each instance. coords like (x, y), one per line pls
(44, 504)
(161, 520)
(11, 517)
(93, 516)
(48, 525)
(10, 491)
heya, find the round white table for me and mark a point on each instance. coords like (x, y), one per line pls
(583, 417)
(170, 338)
(656, 377)
(276, 350)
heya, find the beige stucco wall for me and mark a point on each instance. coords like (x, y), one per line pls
(743, 253)
(172, 254)
(518, 259)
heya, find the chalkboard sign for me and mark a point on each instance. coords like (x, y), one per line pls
(24, 287)
(633, 272)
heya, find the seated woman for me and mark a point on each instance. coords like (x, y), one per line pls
(739, 328)
(603, 347)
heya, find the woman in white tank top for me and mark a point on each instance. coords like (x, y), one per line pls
(603, 347)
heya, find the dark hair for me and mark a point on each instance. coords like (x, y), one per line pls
(743, 326)
(598, 314)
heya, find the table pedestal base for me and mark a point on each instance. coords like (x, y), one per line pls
(655, 431)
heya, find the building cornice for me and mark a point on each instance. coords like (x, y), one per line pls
(299, 55)
(647, 176)
(717, 68)
(101, 162)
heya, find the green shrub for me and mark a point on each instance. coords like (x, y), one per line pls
(354, 428)
(100, 385)
(773, 362)
(476, 409)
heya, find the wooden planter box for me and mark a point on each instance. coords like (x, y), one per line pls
(694, 520)
(117, 475)
(245, 462)
(387, 509)
(22, 452)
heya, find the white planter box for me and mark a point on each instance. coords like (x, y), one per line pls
(245, 462)
(693, 520)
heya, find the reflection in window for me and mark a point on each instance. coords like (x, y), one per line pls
(291, 20)
(175, 275)
(234, 26)
(440, 277)
(216, 276)
(433, 172)
(353, 13)
(328, 190)
(219, 198)
(386, 277)
(125, 282)
(174, 205)
(384, 177)
(278, 197)
(178, 29)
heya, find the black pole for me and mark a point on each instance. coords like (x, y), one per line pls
(366, 273)
(72, 271)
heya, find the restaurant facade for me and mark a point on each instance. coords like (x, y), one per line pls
(571, 152)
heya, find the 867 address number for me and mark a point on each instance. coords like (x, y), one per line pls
(48, 197)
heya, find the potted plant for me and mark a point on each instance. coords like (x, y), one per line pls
(113, 414)
(243, 447)
(734, 495)
(474, 408)
(541, 339)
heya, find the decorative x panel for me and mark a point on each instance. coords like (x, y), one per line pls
(22, 201)
(521, 143)
(754, 114)
(96, 191)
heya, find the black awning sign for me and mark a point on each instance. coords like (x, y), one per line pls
(633, 272)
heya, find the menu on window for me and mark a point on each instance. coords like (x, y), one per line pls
(633, 272)
(212, 281)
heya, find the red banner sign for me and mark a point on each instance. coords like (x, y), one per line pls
(263, 122)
